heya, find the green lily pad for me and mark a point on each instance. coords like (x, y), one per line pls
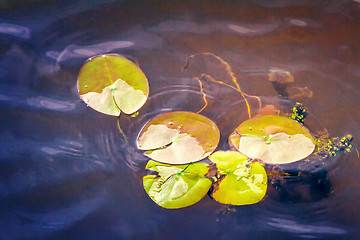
(241, 182)
(178, 137)
(112, 84)
(273, 139)
(176, 186)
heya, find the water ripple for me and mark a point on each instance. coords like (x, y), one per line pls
(40, 223)
(20, 97)
(71, 175)
(305, 229)
(60, 159)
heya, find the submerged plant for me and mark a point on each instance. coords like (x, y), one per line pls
(234, 82)
(270, 138)
(329, 147)
(280, 79)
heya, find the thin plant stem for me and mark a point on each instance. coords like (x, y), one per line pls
(204, 95)
(121, 131)
(231, 74)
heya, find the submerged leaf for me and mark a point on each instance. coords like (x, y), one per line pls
(112, 84)
(241, 182)
(179, 137)
(176, 186)
(273, 139)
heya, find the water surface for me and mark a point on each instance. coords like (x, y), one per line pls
(66, 173)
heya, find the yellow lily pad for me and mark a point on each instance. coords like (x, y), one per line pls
(241, 182)
(178, 137)
(273, 139)
(176, 186)
(112, 84)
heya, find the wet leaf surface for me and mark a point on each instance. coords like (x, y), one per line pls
(176, 186)
(241, 182)
(273, 139)
(178, 137)
(112, 84)
(278, 148)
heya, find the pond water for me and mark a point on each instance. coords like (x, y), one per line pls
(66, 172)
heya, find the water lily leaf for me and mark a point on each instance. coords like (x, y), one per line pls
(241, 182)
(278, 147)
(273, 139)
(112, 84)
(179, 137)
(176, 186)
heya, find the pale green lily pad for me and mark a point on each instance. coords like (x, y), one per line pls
(273, 139)
(241, 182)
(277, 148)
(177, 186)
(178, 137)
(112, 84)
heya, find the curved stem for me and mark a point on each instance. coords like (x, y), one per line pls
(204, 95)
(121, 131)
(231, 74)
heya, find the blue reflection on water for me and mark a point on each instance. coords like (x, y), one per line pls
(310, 231)
(74, 51)
(38, 224)
(15, 30)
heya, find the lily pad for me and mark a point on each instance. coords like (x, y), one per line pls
(178, 137)
(273, 139)
(112, 84)
(241, 182)
(176, 186)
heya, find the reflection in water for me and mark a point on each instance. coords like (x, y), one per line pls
(304, 230)
(52, 221)
(137, 38)
(74, 51)
(65, 172)
(251, 30)
(24, 99)
(72, 149)
(51, 104)
(245, 29)
(15, 30)
(298, 22)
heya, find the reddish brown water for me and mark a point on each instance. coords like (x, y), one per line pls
(65, 171)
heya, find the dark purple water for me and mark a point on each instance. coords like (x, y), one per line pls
(66, 173)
